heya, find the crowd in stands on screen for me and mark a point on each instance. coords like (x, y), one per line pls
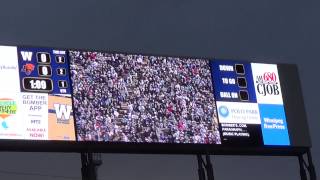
(135, 98)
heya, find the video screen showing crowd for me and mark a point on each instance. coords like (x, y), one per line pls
(143, 99)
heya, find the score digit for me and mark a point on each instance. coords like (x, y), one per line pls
(44, 70)
(37, 84)
(43, 57)
(63, 84)
(60, 59)
(61, 71)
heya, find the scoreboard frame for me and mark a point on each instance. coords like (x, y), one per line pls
(145, 148)
(165, 148)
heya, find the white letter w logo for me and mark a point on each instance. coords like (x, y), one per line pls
(62, 110)
(26, 55)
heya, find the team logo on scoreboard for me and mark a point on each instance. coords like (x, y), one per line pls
(63, 113)
(8, 107)
(61, 121)
(28, 68)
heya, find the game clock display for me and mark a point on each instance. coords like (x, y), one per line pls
(37, 84)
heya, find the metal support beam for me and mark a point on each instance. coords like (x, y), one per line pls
(311, 169)
(90, 163)
(307, 165)
(205, 168)
(201, 171)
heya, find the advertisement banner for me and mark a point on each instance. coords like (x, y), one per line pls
(232, 112)
(274, 125)
(9, 72)
(267, 83)
(61, 122)
(35, 115)
(11, 116)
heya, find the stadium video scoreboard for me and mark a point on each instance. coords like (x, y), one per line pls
(88, 96)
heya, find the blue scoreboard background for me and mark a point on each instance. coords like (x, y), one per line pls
(44, 70)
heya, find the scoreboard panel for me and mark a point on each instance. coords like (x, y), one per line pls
(36, 103)
(44, 70)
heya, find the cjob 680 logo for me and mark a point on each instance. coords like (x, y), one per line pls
(267, 84)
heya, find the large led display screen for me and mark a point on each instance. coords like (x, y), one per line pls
(90, 96)
(135, 98)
